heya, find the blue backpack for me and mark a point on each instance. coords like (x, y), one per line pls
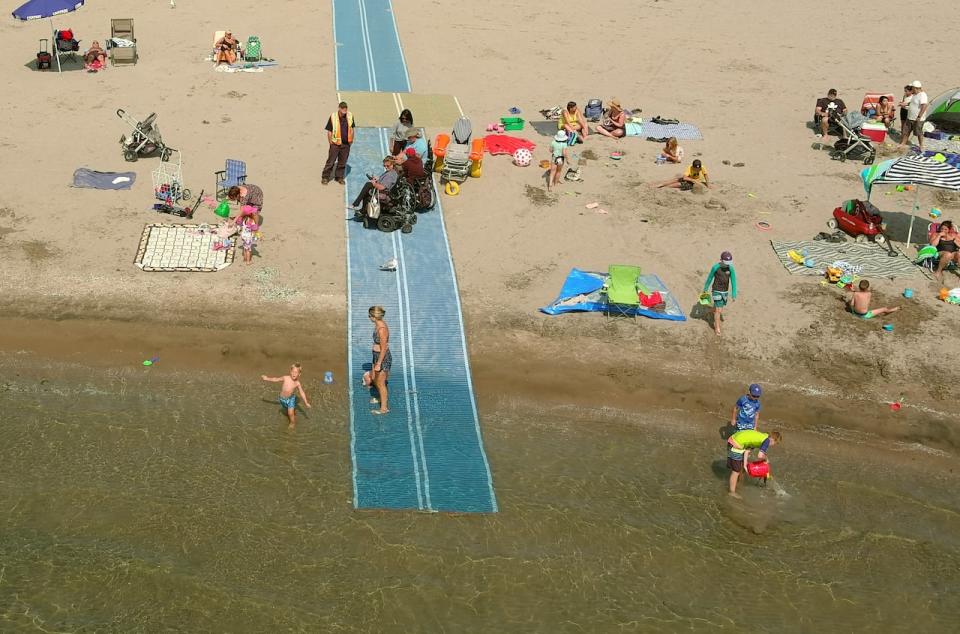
(593, 110)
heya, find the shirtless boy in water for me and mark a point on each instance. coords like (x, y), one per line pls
(288, 397)
(859, 304)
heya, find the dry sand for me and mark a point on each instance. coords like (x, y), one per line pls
(747, 74)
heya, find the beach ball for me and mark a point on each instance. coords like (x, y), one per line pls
(522, 157)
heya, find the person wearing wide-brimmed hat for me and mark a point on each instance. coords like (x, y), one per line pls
(558, 157)
(614, 123)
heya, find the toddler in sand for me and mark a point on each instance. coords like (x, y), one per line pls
(288, 392)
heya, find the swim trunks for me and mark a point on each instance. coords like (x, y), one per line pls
(867, 315)
(719, 298)
(288, 402)
(735, 465)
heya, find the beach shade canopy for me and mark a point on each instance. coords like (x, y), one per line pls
(912, 170)
(945, 108)
(39, 9)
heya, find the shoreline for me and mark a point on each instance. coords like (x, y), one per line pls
(568, 364)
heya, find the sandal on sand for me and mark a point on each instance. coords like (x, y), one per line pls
(377, 412)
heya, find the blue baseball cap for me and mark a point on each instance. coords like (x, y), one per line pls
(755, 390)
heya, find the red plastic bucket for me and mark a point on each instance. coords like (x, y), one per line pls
(758, 469)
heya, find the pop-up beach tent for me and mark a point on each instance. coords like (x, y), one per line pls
(945, 109)
(912, 170)
(41, 9)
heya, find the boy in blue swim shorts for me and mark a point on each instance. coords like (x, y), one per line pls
(288, 392)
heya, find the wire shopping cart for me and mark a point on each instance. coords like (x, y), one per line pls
(168, 179)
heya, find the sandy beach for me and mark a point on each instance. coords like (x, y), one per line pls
(746, 74)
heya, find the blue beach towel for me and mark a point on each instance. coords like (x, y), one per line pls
(682, 131)
(92, 179)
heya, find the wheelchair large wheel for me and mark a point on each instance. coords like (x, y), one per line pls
(387, 223)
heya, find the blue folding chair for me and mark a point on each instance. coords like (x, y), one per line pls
(235, 174)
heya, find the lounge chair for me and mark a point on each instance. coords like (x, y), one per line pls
(122, 29)
(621, 290)
(233, 174)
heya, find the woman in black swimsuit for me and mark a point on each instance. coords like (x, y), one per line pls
(382, 358)
(947, 248)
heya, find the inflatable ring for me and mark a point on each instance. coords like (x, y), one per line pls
(451, 188)
(763, 225)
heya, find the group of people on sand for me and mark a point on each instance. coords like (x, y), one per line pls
(913, 106)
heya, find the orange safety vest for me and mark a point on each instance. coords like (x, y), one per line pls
(335, 124)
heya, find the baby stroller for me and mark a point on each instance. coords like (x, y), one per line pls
(144, 139)
(853, 144)
(395, 211)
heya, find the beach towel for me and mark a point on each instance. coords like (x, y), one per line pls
(872, 259)
(583, 292)
(634, 128)
(92, 179)
(951, 159)
(506, 144)
(682, 131)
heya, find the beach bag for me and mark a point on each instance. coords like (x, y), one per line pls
(593, 110)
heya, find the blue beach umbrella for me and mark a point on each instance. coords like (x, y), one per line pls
(41, 9)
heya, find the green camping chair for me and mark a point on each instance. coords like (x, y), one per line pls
(252, 52)
(621, 289)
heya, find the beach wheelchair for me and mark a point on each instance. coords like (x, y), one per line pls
(395, 209)
(457, 156)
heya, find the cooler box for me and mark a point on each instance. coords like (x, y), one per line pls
(876, 132)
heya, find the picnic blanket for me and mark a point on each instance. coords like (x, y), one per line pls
(93, 179)
(951, 159)
(180, 248)
(582, 291)
(505, 144)
(682, 131)
(866, 260)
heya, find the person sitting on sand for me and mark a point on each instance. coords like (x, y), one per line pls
(226, 49)
(694, 174)
(738, 451)
(614, 124)
(95, 55)
(573, 123)
(859, 303)
(886, 111)
(671, 152)
(947, 248)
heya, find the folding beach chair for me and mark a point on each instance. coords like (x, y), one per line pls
(122, 29)
(621, 290)
(234, 173)
(252, 52)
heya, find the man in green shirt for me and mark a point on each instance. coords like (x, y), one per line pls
(738, 451)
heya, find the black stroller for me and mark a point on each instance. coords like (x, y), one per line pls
(852, 144)
(144, 139)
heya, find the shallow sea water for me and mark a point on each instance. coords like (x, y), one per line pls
(147, 501)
